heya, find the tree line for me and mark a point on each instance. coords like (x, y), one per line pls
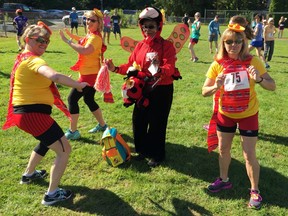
(172, 7)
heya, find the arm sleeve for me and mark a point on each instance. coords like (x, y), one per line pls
(169, 59)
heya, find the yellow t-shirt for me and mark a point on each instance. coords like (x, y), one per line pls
(253, 105)
(30, 87)
(90, 64)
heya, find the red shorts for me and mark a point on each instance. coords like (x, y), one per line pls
(247, 126)
(33, 123)
(193, 41)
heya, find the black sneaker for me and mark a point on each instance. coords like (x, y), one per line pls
(61, 195)
(38, 174)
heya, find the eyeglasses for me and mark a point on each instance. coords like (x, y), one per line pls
(41, 40)
(148, 26)
(230, 42)
(92, 20)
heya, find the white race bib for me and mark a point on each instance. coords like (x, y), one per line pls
(236, 81)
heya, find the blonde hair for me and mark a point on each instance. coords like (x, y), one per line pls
(89, 14)
(33, 30)
(228, 33)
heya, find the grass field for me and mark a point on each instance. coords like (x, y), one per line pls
(178, 186)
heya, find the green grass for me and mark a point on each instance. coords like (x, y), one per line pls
(175, 188)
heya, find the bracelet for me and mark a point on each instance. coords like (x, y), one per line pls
(116, 69)
(260, 80)
(69, 41)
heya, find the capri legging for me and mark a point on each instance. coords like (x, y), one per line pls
(88, 94)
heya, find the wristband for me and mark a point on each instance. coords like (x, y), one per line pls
(260, 80)
(69, 41)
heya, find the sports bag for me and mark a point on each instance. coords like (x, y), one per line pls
(115, 150)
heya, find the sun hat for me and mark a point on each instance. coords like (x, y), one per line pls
(106, 12)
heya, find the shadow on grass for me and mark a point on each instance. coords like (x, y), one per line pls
(5, 75)
(198, 163)
(281, 140)
(97, 202)
(183, 207)
(54, 51)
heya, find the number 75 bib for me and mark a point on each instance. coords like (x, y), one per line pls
(236, 81)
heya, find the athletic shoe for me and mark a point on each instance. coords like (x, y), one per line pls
(38, 174)
(255, 199)
(153, 163)
(61, 195)
(195, 59)
(98, 128)
(267, 66)
(219, 185)
(72, 135)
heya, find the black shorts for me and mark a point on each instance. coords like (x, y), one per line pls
(74, 25)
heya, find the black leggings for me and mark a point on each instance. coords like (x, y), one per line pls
(150, 124)
(88, 94)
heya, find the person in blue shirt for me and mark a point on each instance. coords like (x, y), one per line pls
(214, 31)
(19, 23)
(257, 41)
(73, 18)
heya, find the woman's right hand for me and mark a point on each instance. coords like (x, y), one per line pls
(220, 80)
(110, 64)
(81, 86)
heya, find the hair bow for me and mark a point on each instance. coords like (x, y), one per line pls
(98, 13)
(42, 24)
(236, 27)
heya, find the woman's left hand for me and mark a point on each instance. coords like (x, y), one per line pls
(61, 33)
(254, 73)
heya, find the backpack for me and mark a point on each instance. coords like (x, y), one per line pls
(115, 150)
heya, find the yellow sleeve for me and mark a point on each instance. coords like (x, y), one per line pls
(214, 69)
(96, 42)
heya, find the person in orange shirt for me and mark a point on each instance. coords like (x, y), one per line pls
(90, 50)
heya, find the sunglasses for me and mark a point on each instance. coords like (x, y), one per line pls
(149, 26)
(229, 42)
(41, 40)
(92, 20)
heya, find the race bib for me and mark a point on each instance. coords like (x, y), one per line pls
(236, 81)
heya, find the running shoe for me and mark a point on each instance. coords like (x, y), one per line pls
(72, 135)
(255, 199)
(38, 174)
(60, 195)
(219, 185)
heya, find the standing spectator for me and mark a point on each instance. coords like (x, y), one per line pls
(238, 106)
(73, 19)
(84, 22)
(214, 31)
(19, 23)
(116, 21)
(185, 19)
(281, 24)
(269, 32)
(257, 42)
(195, 34)
(32, 94)
(107, 27)
(90, 50)
(153, 52)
